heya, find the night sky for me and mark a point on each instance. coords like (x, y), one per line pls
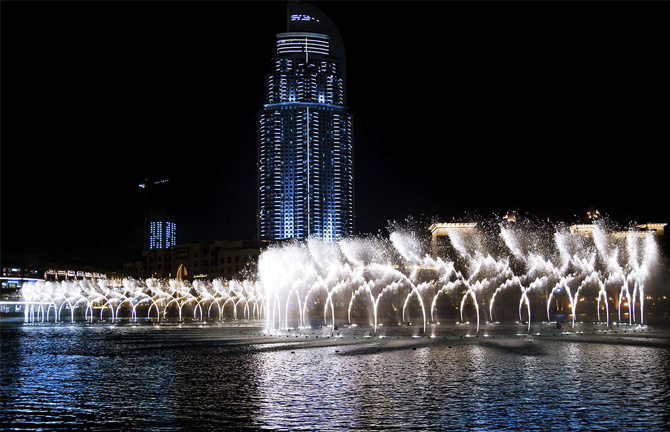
(458, 108)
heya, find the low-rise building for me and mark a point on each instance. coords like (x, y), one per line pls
(210, 260)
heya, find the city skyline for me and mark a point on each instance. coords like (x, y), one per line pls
(471, 113)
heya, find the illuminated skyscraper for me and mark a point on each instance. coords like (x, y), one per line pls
(306, 172)
(159, 221)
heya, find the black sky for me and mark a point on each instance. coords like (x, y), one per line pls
(458, 107)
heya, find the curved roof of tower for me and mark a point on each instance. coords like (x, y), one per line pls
(304, 17)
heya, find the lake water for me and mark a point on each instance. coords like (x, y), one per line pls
(152, 377)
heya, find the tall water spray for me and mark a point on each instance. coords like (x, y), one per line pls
(379, 281)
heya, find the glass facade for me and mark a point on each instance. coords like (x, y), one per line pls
(306, 178)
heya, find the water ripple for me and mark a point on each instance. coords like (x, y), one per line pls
(169, 378)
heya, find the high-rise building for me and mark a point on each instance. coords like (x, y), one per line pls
(305, 154)
(160, 226)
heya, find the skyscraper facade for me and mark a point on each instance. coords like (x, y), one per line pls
(305, 154)
(162, 231)
(159, 221)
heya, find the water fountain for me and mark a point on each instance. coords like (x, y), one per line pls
(378, 281)
(156, 298)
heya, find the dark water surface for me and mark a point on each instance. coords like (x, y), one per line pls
(222, 377)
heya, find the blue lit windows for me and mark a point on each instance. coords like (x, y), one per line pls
(162, 235)
(305, 145)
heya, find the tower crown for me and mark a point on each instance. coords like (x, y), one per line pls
(303, 42)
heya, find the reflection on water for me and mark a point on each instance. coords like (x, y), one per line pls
(217, 377)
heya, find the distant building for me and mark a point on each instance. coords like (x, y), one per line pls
(17, 269)
(206, 260)
(441, 231)
(160, 225)
(305, 156)
(162, 230)
(592, 217)
(657, 229)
